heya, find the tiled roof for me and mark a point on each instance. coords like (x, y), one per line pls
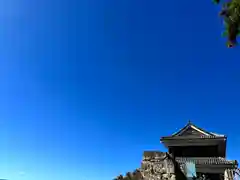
(217, 135)
(204, 134)
(193, 137)
(206, 160)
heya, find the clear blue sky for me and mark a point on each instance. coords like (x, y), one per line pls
(88, 85)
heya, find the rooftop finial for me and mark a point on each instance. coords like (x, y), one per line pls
(189, 121)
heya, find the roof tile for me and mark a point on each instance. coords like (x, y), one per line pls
(204, 134)
(205, 160)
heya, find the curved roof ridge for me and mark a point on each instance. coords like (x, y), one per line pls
(201, 130)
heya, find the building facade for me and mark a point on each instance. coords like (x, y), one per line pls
(191, 145)
(205, 149)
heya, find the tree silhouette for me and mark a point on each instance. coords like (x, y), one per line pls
(136, 175)
(231, 17)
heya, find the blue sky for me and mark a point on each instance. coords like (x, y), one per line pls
(87, 86)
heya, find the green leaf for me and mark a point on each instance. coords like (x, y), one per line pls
(216, 1)
(225, 33)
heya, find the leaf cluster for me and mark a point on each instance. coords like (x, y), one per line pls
(231, 17)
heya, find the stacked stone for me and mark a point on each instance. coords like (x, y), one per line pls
(155, 166)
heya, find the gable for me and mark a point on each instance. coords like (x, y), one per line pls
(190, 131)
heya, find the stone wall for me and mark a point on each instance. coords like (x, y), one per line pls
(157, 166)
(154, 166)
